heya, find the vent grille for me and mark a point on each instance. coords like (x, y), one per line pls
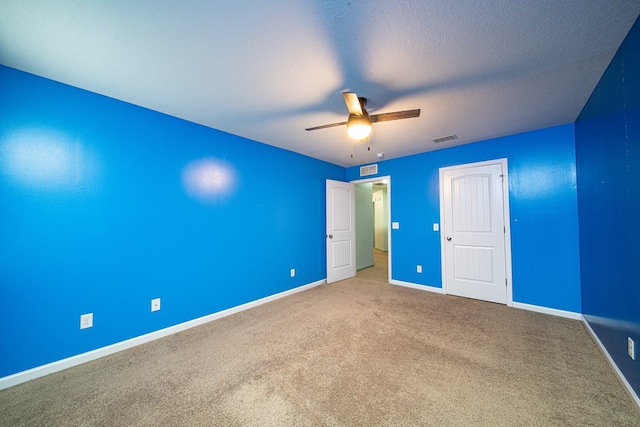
(368, 170)
(445, 138)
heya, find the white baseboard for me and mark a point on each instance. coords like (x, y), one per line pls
(546, 310)
(59, 365)
(613, 364)
(416, 286)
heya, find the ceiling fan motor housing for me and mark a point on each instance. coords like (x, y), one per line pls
(359, 126)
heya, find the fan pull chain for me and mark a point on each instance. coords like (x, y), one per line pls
(352, 149)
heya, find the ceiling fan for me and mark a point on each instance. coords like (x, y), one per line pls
(359, 122)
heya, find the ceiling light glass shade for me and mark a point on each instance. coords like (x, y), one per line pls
(359, 127)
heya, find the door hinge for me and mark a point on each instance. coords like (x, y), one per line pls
(504, 229)
(505, 282)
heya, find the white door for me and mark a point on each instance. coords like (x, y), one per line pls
(341, 231)
(473, 231)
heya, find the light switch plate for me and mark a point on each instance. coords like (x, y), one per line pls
(395, 225)
(436, 226)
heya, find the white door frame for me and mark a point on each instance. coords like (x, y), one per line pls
(505, 212)
(386, 178)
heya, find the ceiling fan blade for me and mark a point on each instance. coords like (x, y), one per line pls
(327, 126)
(397, 115)
(353, 103)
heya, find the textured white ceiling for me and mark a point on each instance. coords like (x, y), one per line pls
(268, 70)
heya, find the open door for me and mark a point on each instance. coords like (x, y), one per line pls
(341, 231)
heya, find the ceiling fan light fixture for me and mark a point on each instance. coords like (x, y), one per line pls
(359, 127)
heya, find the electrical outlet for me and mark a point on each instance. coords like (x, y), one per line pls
(419, 269)
(86, 321)
(631, 348)
(155, 304)
(293, 272)
(436, 226)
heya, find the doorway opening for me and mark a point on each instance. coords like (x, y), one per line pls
(373, 236)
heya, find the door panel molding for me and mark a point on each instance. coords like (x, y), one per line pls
(475, 258)
(341, 230)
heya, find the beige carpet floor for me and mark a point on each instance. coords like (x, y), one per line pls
(354, 353)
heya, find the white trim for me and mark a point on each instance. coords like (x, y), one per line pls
(417, 286)
(546, 310)
(69, 362)
(617, 370)
(389, 246)
(507, 230)
(505, 211)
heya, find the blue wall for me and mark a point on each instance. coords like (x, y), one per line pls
(608, 165)
(104, 206)
(543, 205)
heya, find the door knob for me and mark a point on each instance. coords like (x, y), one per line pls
(449, 238)
(330, 236)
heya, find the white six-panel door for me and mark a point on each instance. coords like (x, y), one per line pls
(341, 231)
(474, 231)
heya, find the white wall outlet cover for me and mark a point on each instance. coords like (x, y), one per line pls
(86, 321)
(631, 348)
(395, 225)
(436, 226)
(155, 304)
(419, 269)
(293, 272)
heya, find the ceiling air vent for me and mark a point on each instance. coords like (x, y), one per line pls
(445, 138)
(368, 170)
